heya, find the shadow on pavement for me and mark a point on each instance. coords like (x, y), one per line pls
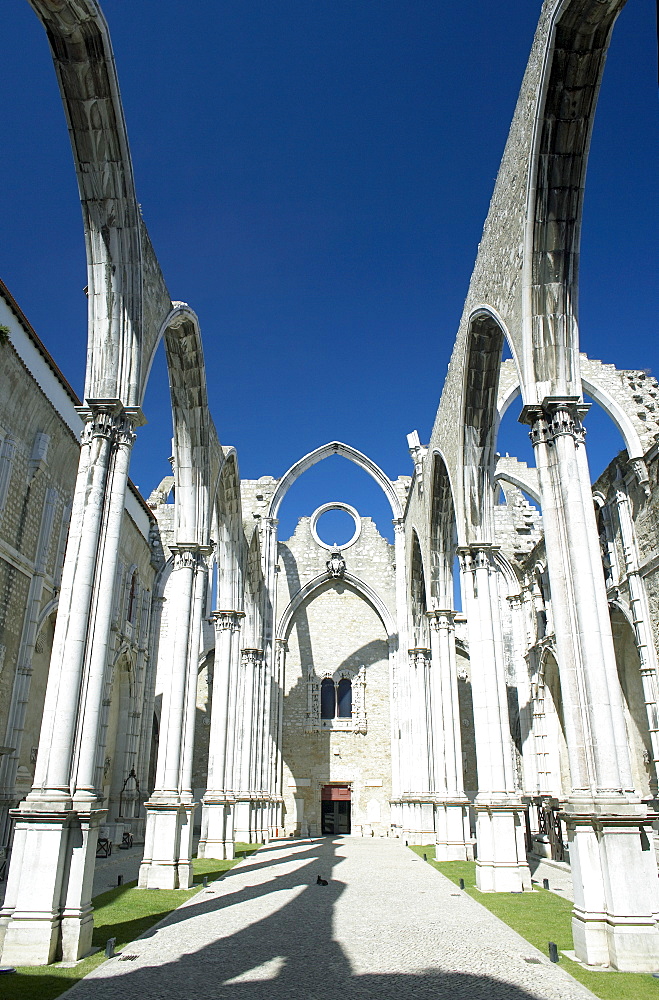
(289, 953)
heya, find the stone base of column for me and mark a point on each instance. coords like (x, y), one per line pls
(167, 862)
(47, 913)
(276, 817)
(452, 838)
(243, 820)
(217, 839)
(616, 894)
(501, 864)
(418, 820)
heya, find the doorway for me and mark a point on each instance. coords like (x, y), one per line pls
(335, 809)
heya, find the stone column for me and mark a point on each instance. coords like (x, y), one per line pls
(250, 660)
(217, 801)
(399, 676)
(641, 620)
(170, 810)
(278, 734)
(268, 526)
(529, 760)
(420, 824)
(452, 840)
(47, 912)
(501, 865)
(613, 864)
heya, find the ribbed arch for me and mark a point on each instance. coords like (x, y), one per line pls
(325, 451)
(358, 585)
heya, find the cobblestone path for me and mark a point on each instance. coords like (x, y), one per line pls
(386, 927)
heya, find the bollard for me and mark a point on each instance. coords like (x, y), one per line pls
(120, 880)
(553, 952)
(462, 883)
(545, 883)
(425, 857)
(109, 947)
(204, 881)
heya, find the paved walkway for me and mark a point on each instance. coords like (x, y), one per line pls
(386, 926)
(558, 875)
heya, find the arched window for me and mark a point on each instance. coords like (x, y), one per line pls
(344, 698)
(327, 699)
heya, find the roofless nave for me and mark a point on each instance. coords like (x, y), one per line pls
(302, 689)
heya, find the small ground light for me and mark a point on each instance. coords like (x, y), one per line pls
(109, 947)
(462, 883)
(545, 883)
(204, 881)
(553, 952)
(425, 857)
(120, 880)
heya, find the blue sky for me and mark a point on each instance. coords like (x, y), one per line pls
(315, 175)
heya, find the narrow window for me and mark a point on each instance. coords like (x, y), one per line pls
(132, 599)
(345, 698)
(327, 699)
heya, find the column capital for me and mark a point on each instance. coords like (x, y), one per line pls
(419, 655)
(441, 618)
(189, 555)
(476, 556)
(399, 525)
(251, 657)
(223, 620)
(554, 417)
(110, 419)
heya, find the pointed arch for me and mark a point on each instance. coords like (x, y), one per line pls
(325, 451)
(357, 584)
(480, 419)
(443, 533)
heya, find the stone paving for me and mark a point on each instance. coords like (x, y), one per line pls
(559, 875)
(387, 926)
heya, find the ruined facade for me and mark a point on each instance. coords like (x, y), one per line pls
(298, 689)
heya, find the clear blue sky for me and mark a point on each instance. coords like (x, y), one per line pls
(315, 175)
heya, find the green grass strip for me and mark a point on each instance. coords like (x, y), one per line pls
(124, 913)
(540, 917)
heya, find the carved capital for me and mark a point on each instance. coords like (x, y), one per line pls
(109, 419)
(251, 657)
(441, 619)
(555, 417)
(640, 470)
(419, 656)
(227, 620)
(188, 556)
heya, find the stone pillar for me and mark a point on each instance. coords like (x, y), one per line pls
(452, 840)
(47, 912)
(217, 801)
(167, 862)
(501, 864)
(519, 636)
(398, 679)
(268, 526)
(244, 794)
(278, 735)
(614, 866)
(641, 620)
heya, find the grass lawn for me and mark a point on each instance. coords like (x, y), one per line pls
(124, 913)
(540, 917)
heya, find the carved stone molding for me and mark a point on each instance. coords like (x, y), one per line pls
(223, 620)
(441, 619)
(109, 419)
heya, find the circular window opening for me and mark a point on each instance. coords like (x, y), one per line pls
(335, 524)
